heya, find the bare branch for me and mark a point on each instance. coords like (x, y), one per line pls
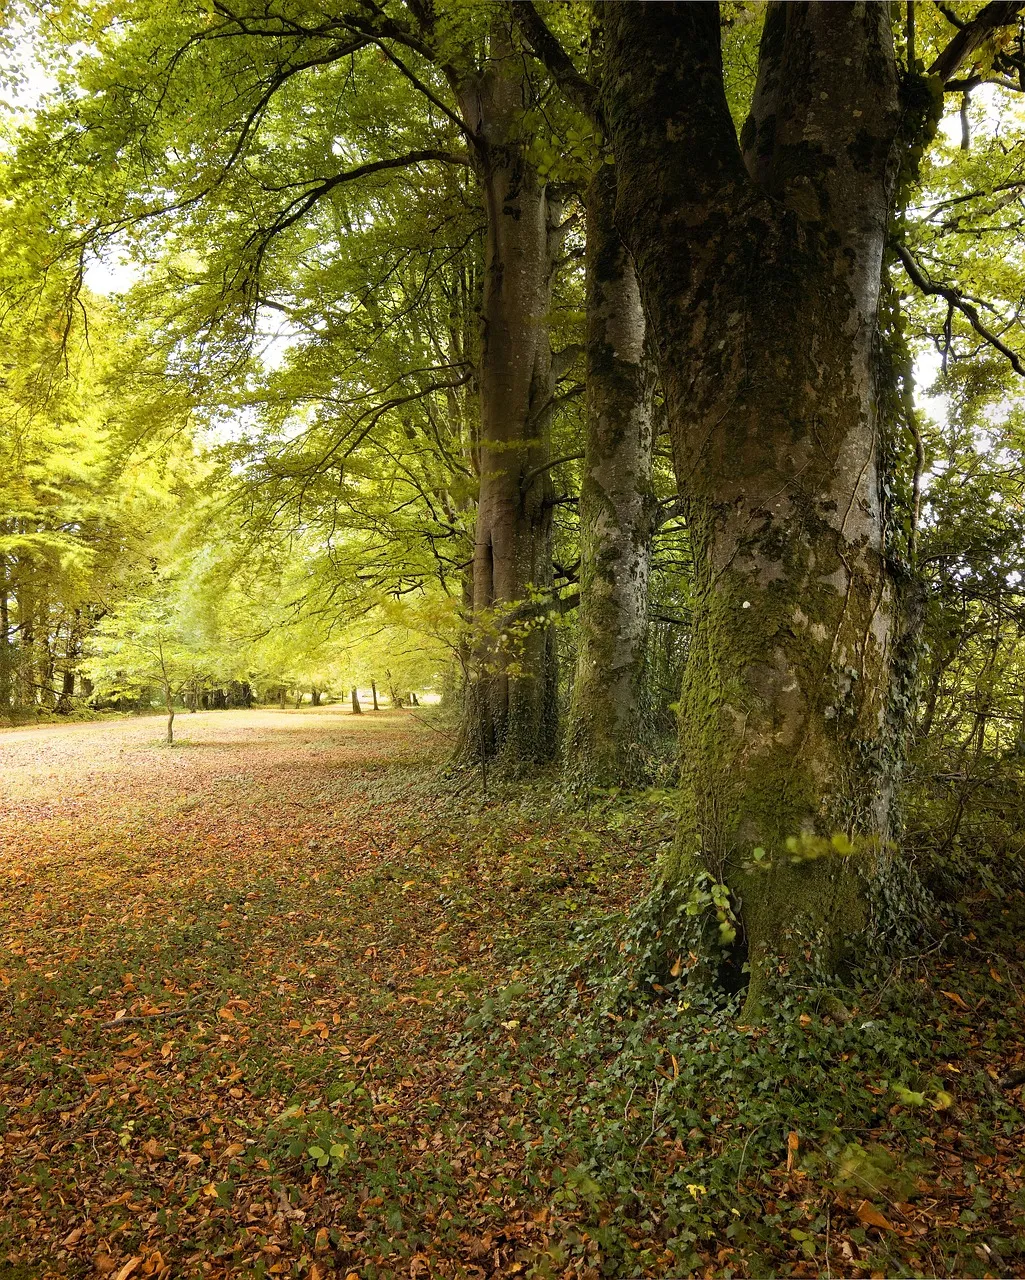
(531, 476)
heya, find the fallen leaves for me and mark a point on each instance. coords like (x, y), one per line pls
(867, 1213)
(313, 995)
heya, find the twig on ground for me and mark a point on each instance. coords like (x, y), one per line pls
(150, 1017)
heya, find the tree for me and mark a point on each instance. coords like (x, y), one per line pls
(80, 516)
(761, 263)
(617, 508)
(142, 645)
(207, 100)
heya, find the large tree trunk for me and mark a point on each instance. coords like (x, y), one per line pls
(512, 708)
(761, 281)
(616, 506)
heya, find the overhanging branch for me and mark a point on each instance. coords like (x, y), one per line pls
(998, 13)
(956, 300)
(259, 241)
(554, 57)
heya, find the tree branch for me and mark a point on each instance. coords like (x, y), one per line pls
(548, 51)
(957, 301)
(535, 608)
(531, 476)
(950, 15)
(998, 13)
(301, 205)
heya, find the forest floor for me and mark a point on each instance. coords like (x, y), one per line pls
(236, 982)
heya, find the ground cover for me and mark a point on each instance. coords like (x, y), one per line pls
(281, 1001)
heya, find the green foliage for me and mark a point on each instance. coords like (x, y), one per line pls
(683, 1123)
(142, 644)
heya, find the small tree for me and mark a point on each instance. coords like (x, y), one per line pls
(141, 645)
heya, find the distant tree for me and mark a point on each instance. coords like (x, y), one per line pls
(143, 645)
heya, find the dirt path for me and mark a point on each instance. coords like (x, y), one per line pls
(222, 972)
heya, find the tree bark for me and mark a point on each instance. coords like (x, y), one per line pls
(6, 647)
(357, 710)
(761, 275)
(616, 508)
(72, 652)
(512, 707)
(373, 691)
(25, 691)
(45, 657)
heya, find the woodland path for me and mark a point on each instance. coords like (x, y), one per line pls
(250, 903)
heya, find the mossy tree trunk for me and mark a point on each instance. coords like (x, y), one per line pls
(512, 702)
(616, 508)
(761, 273)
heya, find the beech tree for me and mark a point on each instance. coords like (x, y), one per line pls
(192, 104)
(143, 645)
(617, 507)
(761, 265)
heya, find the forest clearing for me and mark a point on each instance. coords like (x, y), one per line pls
(237, 980)
(512, 639)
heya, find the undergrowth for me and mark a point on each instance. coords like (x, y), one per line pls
(673, 1139)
